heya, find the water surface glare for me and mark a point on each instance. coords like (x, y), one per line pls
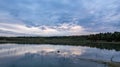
(45, 55)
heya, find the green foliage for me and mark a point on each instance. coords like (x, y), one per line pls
(109, 37)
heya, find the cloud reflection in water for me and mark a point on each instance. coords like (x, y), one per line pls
(52, 55)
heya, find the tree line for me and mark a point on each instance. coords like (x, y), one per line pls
(109, 37)
(102, 40)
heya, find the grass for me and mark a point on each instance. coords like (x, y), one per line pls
(109, 64)
(114, 64)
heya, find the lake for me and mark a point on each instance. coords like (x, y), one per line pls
(47, 55)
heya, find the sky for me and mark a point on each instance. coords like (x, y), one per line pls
(58, 17)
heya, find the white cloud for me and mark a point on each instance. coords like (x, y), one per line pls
(88, 13)
(59, 30)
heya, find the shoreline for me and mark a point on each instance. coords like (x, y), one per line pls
(98, 44)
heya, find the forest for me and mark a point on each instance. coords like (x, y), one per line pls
(109, 37)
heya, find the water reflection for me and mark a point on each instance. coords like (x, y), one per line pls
(13, 55)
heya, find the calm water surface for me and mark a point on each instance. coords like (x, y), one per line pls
(45, 55)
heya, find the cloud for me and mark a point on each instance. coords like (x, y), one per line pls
(89, 15)
(59, 30)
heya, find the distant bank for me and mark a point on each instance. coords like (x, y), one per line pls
(102, 40)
